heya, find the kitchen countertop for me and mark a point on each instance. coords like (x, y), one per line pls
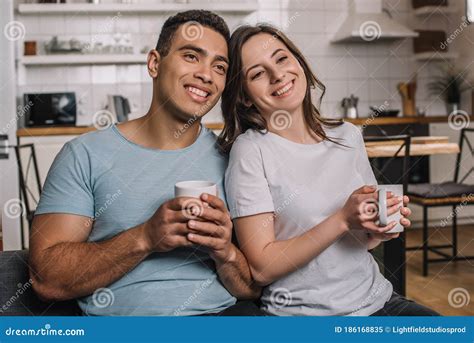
(77, 130)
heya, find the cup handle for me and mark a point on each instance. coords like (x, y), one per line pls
(383, 207)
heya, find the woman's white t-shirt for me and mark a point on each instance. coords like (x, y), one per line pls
(303, 185)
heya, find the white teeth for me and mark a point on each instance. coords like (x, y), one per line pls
(284, 89)
(197, 91)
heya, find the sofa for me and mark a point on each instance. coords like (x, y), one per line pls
(17, 297)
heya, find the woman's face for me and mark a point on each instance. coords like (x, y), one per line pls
(273, 78)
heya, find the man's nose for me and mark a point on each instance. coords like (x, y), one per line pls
(204, 73)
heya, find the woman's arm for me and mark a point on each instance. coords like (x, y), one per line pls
(270, 259)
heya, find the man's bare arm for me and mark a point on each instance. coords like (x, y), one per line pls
(64, 266)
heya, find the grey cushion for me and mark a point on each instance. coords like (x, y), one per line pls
(440, 190)
(16, 293)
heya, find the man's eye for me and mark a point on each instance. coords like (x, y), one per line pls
(221, 68)
(257, 75)
(190, 57)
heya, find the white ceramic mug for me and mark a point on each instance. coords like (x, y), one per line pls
(397, 191)
(194, 189)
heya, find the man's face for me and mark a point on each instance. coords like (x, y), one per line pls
(191, 77)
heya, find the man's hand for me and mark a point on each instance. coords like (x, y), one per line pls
(167, 228)
(213, 229)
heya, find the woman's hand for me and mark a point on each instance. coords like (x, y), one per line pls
(360, 211)
(404, 221)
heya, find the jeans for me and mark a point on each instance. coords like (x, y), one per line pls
(241, 308)
(401, 306)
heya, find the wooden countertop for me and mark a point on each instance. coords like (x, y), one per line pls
(77, 130)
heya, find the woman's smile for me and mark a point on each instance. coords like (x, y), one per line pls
(285, 90)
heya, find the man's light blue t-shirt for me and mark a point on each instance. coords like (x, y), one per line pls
(103, 175)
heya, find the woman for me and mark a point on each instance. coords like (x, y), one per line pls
(297, 188)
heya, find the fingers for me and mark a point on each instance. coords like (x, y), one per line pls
(207, 241)
(181, 241)
(405, 222)
(207, 229)
(180, 203)
(365, 189)
(217, 216)
(214, 201)
(374, 228)
(405, 211)
(406, 200)
(179, 229)
(393, 209)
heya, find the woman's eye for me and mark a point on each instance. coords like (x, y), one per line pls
(281, 59)
(257, 75)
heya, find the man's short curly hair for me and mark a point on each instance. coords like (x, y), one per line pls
(201, 17)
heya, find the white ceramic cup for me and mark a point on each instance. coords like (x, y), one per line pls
(397, 191)
(194, 189)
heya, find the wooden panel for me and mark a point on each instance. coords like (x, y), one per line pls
(415, 149)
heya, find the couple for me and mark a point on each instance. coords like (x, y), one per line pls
(295, 193)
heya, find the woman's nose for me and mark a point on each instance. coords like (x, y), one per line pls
(277, 76)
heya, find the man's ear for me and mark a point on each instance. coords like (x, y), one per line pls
(153, 63)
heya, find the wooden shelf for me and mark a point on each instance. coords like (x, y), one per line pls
(85, 8)
(425, 56)
(76, 59)
(434, 10)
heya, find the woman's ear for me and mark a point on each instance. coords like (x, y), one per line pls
(153, 63)
(247, 101)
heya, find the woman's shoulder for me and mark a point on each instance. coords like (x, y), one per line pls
(247, 142)
(346, 131)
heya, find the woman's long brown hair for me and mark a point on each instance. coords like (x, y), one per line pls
(238, 117)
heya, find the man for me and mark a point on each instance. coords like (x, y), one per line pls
(144, 252)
